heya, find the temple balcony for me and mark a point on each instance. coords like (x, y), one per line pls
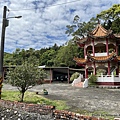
(100, 54)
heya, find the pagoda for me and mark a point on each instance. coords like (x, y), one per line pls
(101, 53)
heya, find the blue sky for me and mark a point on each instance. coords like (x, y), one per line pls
(43, 22)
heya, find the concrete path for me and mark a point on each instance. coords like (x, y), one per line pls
(90, 99)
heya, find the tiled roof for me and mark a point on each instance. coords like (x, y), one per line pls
(100, 31)
(80, 60)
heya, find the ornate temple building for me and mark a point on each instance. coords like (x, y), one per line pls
(101, 55)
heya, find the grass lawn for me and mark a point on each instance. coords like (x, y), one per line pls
(32, 97)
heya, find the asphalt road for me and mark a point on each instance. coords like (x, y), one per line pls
(89, 99)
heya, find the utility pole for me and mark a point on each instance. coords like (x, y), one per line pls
(5, 22)
(4, 25)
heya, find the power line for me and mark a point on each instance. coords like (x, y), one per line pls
(48, 5)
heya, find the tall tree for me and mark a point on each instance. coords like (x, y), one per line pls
(110, 14)
(16, 57)
(116, 25)
(108, 18)
(66, 54)
(25, 76)
(111, 18)
(80, 29)
(8, 59)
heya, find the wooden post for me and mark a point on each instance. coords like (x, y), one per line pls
(68, 75)
(51, 75)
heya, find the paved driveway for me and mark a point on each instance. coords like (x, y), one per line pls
(90, 99)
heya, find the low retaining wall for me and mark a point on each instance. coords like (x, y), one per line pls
(66, 115)
(31, 108)
(44, 110)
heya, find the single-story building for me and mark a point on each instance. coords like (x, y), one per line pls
(54, 74)
(60, 74)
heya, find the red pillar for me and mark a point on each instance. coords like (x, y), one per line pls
(93, 47)
(84, 51)
(116, 49)
(107, 47)
(86, 72)
(108, 68)
(94, 72)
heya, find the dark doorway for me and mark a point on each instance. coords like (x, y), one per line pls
(60, 77)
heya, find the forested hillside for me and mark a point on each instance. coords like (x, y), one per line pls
(52, 56)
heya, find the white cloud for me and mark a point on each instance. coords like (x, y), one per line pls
(43, 23)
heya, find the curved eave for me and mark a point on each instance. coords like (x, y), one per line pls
(82, 40)
(102, 58)
(80, 60)
(118, 58)
(117, 36)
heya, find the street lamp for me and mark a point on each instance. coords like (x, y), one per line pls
(4, 25)
(7, 19)
(15, 17)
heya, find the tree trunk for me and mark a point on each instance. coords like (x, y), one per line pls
(22, 96)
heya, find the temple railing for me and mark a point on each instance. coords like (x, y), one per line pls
(100, 54)
(108, 78)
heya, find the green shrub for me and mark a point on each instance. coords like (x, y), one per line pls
(101, 71)
(92, 80)
(74, 76)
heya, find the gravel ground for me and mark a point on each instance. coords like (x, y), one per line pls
(89, 99)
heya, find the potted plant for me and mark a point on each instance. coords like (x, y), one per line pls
(36, 93)
(45, 92)
(111, 50)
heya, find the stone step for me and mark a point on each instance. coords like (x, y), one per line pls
(80, 84)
